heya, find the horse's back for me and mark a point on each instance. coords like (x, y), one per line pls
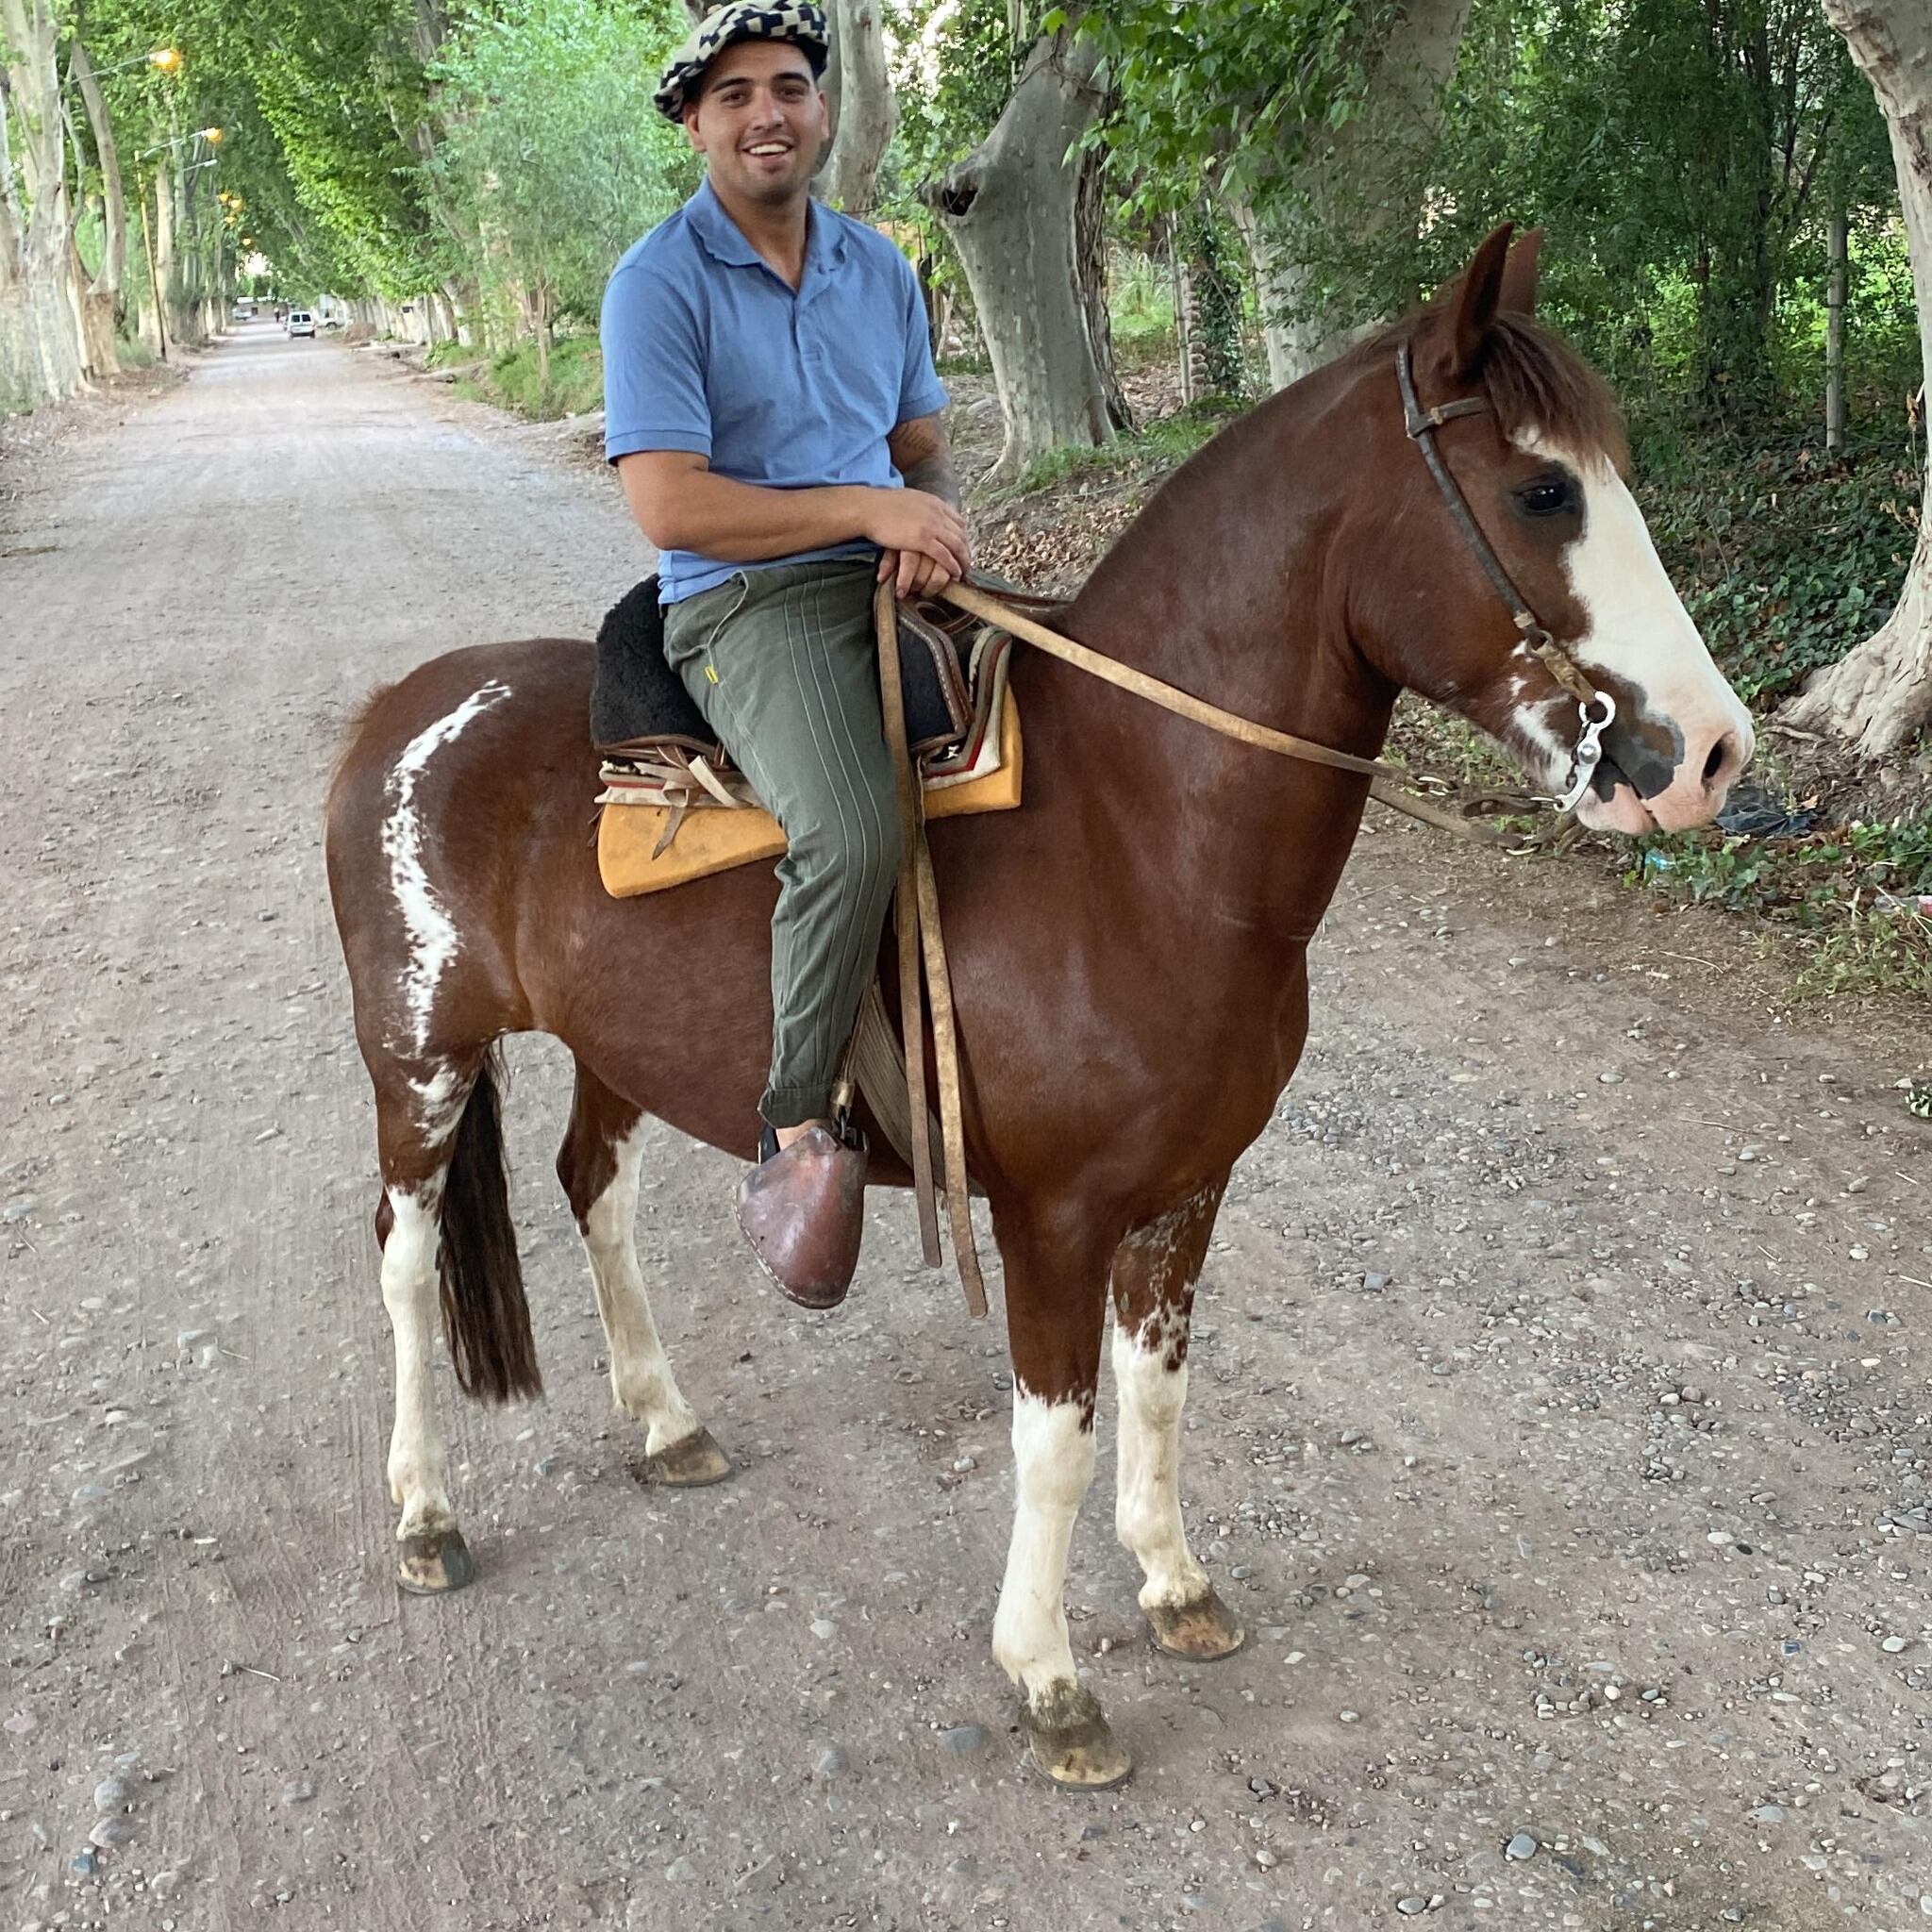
(463, 864)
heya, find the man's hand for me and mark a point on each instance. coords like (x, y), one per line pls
(924, 539)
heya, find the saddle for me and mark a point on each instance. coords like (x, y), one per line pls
(675, 808)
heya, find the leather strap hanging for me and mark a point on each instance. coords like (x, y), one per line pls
(917, 903)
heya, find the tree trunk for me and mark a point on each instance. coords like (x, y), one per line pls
(1835, 338)
(1211, 339)
(859, 88)
(101, 302)
(1090, 272)
(1362, 178)
(40, 355)
(1882, 692)
(1010, 208)
(539, 311)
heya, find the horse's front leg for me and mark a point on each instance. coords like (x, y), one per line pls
(1155, 1270)
(1056, 1311)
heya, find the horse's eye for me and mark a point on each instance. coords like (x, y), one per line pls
(1547, 496)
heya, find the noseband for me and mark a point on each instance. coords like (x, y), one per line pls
(1421, 425)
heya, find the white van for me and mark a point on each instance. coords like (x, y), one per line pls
(300, 323)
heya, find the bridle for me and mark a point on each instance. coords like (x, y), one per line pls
(1421, 425)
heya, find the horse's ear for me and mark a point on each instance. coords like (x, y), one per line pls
(1470, 307)
(1519, 273)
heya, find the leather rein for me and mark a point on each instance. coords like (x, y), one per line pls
(1596, 709)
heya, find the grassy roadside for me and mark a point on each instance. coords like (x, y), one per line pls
(509, 380)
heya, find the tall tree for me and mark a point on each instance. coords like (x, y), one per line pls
(101, 291)
(40, 354)
(1011, 208)
(1881, 694)
(859, 88)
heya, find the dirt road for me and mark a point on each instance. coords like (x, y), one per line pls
(1560, 1423)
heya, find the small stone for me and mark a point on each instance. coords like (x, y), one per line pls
(962, 1464)
(1242, 1572)
(1770, 1814)
(680, 1870)
(298, 1794)
(113, 1794)
(1522, 1846)
(1375, 1283)
(165, 1884)
(85, 1862)
(1894, 1645)
(1412, 1905)
(19, 1724)
(830, 1762)
(108, 1833)
(824, 1629)
(1350, 1717)
(963, 1738)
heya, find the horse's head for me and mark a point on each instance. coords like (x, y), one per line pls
(1539, 458)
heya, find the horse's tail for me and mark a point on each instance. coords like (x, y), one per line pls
(485, 1317)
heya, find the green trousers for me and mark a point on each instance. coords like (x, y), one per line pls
(782, 662)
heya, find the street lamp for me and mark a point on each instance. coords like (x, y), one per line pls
(163, 59)
(213, 136)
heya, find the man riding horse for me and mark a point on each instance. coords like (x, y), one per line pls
(773, 411)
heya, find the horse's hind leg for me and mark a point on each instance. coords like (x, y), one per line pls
(598, 1165)
(1155, 1270)
(444, 1225)
(431, 1555)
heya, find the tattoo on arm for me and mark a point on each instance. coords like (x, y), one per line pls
(922, 454)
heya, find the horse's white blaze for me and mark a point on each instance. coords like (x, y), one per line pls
(432, 932)
(1636, 626)
(640, 1376)
(1053, 1464)
(418, 1469)
(1147, 1503)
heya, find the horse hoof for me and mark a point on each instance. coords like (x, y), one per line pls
(1072, 1743)
(435, 1563)
(1203, 1630)
(692, 1464)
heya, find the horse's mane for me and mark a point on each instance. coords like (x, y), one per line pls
(1535, 381)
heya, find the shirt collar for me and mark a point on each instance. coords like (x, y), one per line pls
(724, 240)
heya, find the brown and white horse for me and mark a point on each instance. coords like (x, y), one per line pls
(1129, 951)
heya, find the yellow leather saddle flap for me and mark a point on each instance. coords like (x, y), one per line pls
(715, 839)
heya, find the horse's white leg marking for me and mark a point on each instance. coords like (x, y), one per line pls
(432, 934)
(640, 1376)
(1150, 1374)
(418, 1478)
(1053, 1464)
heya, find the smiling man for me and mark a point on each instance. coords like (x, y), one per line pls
(773, 411)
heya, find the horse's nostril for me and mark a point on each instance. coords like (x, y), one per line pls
(1720, 757)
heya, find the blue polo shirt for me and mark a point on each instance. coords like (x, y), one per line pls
(707, 349)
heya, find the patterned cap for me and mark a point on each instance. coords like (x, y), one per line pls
(797, 21)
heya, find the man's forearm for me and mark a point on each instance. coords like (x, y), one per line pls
(934, 474)
(746, 523)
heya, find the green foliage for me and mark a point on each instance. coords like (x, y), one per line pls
(1682, 158)
(1852, 892)
(1783, 561)
(513, 380)
(552, 151)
